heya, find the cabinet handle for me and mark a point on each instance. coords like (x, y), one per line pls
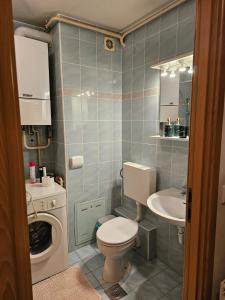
(171, 103)
(27, 95)
(83, 209)
(98, 205)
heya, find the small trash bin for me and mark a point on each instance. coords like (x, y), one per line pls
(103, 220)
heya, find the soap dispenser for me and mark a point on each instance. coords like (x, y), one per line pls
(168, 129)
(176, 127)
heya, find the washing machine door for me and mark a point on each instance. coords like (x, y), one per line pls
(45, 235)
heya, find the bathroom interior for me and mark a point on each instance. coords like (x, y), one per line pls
(105, 126)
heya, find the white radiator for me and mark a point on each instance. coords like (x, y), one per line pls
(222, 290)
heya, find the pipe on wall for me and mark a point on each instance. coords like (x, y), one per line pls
(119, 35)
(150, 17)
(75, 22)
(35, 147)
(34, 34)
(139, 216)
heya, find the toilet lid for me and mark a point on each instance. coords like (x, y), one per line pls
(117, 231)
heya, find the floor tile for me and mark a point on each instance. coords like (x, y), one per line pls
(164, 282)
(131, 296)
(94, 262)
(174, 275)
(98, 274)
(93, 280)
(86, 251)
(148, 291)
(134, 280)
(102, 293)
(83, 267)
(158, 263)
(73, 258)
(95, 247)
(149, 270)
(175, 294)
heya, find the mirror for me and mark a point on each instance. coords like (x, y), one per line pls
(175, 92)
(175, 98)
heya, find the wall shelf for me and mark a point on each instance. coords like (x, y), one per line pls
(167, 138)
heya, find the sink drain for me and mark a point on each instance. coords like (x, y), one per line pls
(115, 292)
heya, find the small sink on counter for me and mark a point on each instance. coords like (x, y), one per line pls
(169, 204)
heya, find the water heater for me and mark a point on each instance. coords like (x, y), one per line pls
(33, 81)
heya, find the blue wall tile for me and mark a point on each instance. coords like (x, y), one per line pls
(88, 54)
(168, 43)
(70, 50)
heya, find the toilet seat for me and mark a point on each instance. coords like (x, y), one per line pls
(117, 231)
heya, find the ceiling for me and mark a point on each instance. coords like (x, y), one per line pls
(112, 14)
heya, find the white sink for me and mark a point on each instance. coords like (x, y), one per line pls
(170, 205)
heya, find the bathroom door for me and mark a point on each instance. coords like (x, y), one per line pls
(15, 276)
(204, 152)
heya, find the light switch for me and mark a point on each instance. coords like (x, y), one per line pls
(76, 162)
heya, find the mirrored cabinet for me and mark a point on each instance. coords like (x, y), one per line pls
(175, 97)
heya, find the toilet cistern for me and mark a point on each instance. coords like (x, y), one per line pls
(139, 183)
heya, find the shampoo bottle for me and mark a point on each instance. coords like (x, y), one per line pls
(168, 129)
(32, 166)
(177, 127)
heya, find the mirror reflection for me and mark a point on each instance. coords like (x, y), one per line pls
(175, 96)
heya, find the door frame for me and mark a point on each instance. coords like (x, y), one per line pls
(207, 103)
(204, 158)
(15, 274)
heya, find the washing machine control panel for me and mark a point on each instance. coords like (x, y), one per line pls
(46, 204)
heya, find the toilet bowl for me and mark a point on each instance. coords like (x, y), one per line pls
(114, 239)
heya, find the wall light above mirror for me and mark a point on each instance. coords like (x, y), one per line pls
(179, 64)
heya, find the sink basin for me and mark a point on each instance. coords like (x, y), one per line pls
(170, 205)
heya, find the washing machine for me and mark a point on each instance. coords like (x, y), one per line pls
(47, 221)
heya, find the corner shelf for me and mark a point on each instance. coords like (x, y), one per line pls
(172, 138)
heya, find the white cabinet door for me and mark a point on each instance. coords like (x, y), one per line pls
(87, 214)
(32, 68)
(169, 90)
(84, 224)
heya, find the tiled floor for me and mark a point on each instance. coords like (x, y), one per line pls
(146, 280)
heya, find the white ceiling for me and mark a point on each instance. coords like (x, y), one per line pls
(113, 14)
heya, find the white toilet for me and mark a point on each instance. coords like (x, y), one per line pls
(117, 236)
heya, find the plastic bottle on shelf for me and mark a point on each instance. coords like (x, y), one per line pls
(32, 166)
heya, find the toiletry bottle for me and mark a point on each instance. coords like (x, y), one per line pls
(44, 172)
(168, 130)
(177, 127)
(182, 132)
(32, 166)
(40, 172)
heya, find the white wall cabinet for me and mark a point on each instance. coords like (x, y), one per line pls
(87, 214)
(169, 90)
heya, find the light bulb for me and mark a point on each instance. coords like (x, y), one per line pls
(190, 71)
(172, 74)
(164, 73)
(182, 69)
